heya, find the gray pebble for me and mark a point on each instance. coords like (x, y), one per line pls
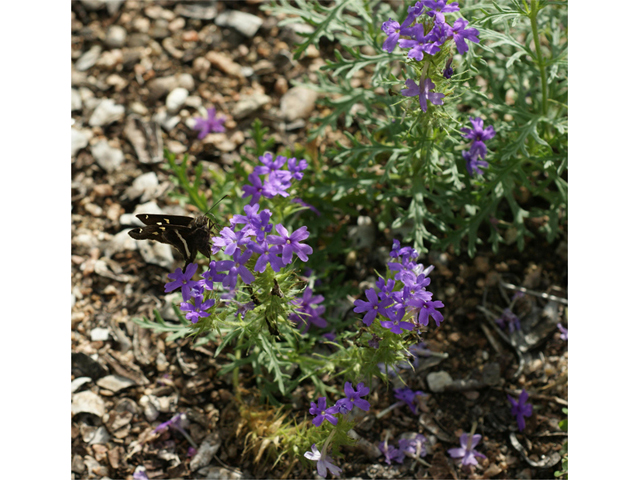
(107, 157)
(245, 23)
(105, 113)
(116, 36)
(88, 58)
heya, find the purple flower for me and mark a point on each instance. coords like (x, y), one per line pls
(419, 45)
(466, 450)
(427, 309)
(414, 447)
(408, 396)
(198, 309)
(372, 307)
(508, 319)
(229, 240)
(460, 35)
(255, 190)
(296, 167)
(439, 8)
(478, 135)
(398, 251)
(182, 280)
(235, 268)
(140, 473)
(521, 409)
(353, 398)
(291, 243)
(423, 92)
(390, 453)
(213, 275)
(270, 165)
(324, 461)
(323, 413)
(305, 314)
(564, 332)
(211, 124)
(474, 163)
(392, 29)
(177, 422)
(395, 323)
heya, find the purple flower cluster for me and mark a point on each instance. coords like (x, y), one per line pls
(403, 297)
(276, 179)
(478, 135)
(466, 451)
(421, 44)
(411, 447)
(342, 406)
(322, 413)
(210, 124)
(250, 240)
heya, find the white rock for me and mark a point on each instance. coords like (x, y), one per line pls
(438, 381)
(87, 402)
(246, 23)
(88, 58)
(76, 100)
(108, 158)
(99, 334)
(116, 36)
(105, 113)
(79, 140)
(297, 103)
(176, 99)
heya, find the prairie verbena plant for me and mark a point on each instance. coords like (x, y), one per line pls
(252, 299)
(455, 111)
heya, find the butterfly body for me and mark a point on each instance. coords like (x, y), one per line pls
(188, 235)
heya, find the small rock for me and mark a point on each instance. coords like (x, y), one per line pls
(176, 99)
(245, 23)
(159, 87)
(205, 10)
(105, 113)
(116, 36)
(297, 103)
(168, 122)
(87, 402)
(363, 235)
(88, 58)
(145, 138)
(100, 334)
(438, 381)
(145, 185)
(208, 448)
(76, 100)
(79, 140)
(76, 383)
(249, 105)
(149, 408)
(224, 63)
(115, 383)
(107, 157)
(185, 80)
(220, 141)
(77, 464)
(119, 243)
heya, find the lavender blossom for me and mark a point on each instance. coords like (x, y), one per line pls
(211, 124)
(324, 461)
(423, 92)
(521, 409)
(466, 450)
(323, 413)
(182, 280)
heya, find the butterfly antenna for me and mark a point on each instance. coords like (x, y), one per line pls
(214, 206)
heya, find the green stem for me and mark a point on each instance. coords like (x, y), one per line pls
(533, 17)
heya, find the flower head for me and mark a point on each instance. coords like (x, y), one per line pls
(323, 413)
(211, 124)
(372, 307)
(290, 244)
(182, 280)
(198, 309)
(353, 398)
(391, 453)
(423, 92)
(414, 447)
(324, 461)
(564, 332)
(408, 396)
(466, 450)
(439, 8)
(477, 133)
(461, 33)
(521, 409)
